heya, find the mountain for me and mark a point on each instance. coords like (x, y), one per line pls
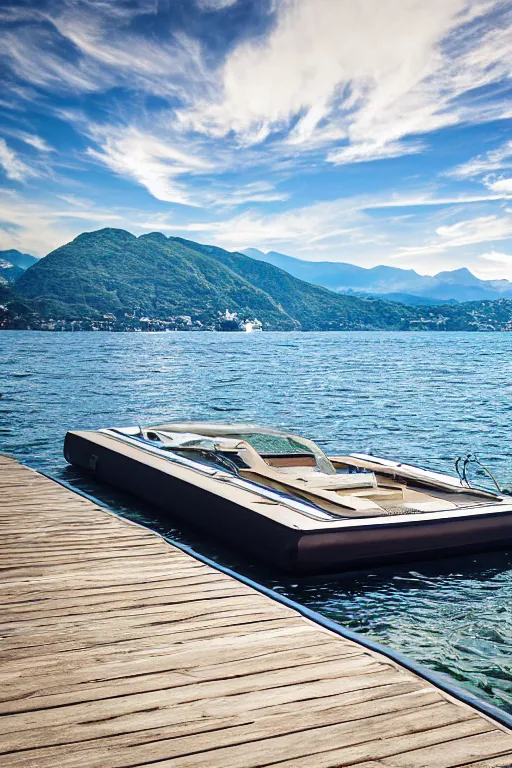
(13, 264)
(112, 280)
(111, 272)
(457, 285)
(405, 298)
(23, 260)
(9, 273)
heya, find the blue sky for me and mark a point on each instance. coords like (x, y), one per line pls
(368, 131)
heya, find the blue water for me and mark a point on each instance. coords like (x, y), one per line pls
(424, 398)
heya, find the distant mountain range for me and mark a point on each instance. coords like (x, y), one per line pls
(113, 273)
(390, 283)
(13, 263)
(112, 280)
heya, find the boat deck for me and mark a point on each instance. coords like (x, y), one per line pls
(119, 650)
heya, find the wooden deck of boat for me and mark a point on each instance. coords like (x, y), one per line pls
(119, 650)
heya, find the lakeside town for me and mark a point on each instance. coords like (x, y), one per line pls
(129, 322)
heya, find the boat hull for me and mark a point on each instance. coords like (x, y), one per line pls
(228, 522)
(404, 542)
(361, 545)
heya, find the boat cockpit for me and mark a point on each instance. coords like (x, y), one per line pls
(341, 486)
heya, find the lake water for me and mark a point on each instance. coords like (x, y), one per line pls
(424, 398)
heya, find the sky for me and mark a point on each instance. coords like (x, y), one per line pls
(364, 131)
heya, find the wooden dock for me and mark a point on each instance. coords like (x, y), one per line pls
(119, 650)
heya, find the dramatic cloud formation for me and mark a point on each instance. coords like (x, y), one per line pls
(377, 71)
(149, 161)
(337, 129)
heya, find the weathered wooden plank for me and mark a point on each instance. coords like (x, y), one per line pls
(110, 623)
(82, 576)
(31, 593)
(192, 715)
(254, 649)
(455, 753)
(221, 695)
(149, 745)
(290, 634)
(315, 751)
(42, 694)
(364, 737)
(146, 636)
(77, 605)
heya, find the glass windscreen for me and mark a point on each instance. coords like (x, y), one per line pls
(273, 445)
(283, 445)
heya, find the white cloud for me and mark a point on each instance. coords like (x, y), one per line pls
(215, 5)
(46, 67)
(477, 230)
(107, 51)
(317, 49)
(255, 192)
(355, 79)
(342, 81)
(338, 230)
(162, 158)
(362, 153)
(38, 228)
(158, 67)
(482, 165)
(498, 266)
(366, 73)
(501, 185)
(148, 160)
(341, 229)
(37, 142)
(307, 225)
(419, 200)
(464, 233)
(374, 72)
(14, 168)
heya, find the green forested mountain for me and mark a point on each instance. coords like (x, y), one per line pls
(113, 272)
(311, 306)
(111, 279)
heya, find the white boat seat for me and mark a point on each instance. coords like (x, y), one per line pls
(315, 479)
(430, 506)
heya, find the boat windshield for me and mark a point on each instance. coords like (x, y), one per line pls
(269, 444)
(273, 445)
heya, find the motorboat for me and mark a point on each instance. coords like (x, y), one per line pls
(279, 497)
